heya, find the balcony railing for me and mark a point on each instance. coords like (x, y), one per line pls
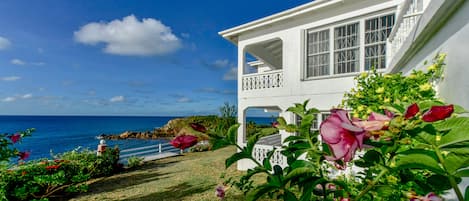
(407, 16)
(260, 153)
(266, 80)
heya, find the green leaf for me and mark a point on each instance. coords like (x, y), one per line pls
(252, 142)
(451, 123)
(385, 191)
(462, 173)
(419, 159)
(289, 196)
(235, 157)
(306, 123)
(233, 133)
(454, 136)
(281, 123)
(425, 105)
(454, 162)
(266, 162)
(370, 158)
(459, 110)
(395, 108)
(291, 128)
(300, 172)
(439, 182)
(293, 138)
(259, 191)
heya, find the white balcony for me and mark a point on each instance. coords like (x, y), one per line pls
(407, 17)
(264, 80)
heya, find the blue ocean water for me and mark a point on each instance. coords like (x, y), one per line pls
(58, 134)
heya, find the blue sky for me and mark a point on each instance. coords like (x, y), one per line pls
(106, 57)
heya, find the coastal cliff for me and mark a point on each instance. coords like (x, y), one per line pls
(174, 127)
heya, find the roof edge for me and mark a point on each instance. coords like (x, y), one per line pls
(292, 12)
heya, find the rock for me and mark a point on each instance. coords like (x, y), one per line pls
(124, 135)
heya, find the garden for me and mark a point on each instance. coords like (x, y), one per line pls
(391, 138)
(398, 141)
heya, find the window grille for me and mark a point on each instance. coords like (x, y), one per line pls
(346, 49)
(318, 53)
(377, 30)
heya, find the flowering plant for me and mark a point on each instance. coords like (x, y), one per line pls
(413, 152)
(401, 143)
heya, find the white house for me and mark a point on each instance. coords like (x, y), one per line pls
(313, 51)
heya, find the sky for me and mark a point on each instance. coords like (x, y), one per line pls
(145, 57)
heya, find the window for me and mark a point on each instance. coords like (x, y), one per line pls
(377, 30)
(346, 49)
(318, 53)
(314, 125)
(339, 49)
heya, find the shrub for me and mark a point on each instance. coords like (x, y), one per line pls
(134, 161)
(375, 90)
(68, 173)
(414, 147)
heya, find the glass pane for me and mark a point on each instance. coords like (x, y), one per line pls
(318, 53)
(346, 48)
(376, 33)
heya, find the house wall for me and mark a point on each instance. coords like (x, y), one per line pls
(452, 39)
(325, 92)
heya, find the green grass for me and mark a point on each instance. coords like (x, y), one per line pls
(193, 177)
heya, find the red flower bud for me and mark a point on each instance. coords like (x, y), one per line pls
(437, 113)
(24, 155)
(15, 137)
(411, 111)
(184, 141)
(198, 127)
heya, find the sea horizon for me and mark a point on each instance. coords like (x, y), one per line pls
(61, 133)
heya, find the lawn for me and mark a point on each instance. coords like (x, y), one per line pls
(193, 177)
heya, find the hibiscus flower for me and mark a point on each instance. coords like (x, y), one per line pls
(184, 141)
(342, 137)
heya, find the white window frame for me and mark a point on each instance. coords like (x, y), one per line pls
(308, 55)
(331, 26)
(376, 42)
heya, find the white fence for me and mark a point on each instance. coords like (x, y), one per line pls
(147, 151)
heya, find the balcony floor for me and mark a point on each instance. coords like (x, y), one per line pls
(273, 140)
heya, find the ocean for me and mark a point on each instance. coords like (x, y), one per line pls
(57, 134)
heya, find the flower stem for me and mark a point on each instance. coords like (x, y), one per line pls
(451, 179)
(371, 184)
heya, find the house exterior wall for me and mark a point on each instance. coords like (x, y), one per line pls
(324, 92)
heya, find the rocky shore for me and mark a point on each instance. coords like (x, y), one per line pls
(174, 127)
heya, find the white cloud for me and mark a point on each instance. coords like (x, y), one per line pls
(221, 63)
(4, 43)
(20, 62)
(27, 96)
(10, 78)
(38, 63)
(9, 99)
(184, 100)
(232, 74)
(117, 99)
(185, 35)
(130, 36)
(17, 62)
